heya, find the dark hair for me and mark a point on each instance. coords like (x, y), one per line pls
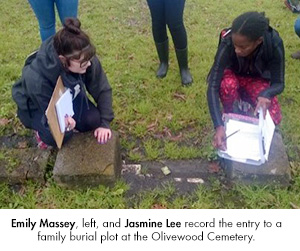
(251, 24)
(71, 42)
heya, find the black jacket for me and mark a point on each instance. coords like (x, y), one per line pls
(39, 76)
(268, 63)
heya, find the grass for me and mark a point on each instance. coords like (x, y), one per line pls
(157, 119)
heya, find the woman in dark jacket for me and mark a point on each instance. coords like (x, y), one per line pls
(248, 66)
(170, 13)
(71, 55)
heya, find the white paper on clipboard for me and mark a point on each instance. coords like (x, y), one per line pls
(64, 107)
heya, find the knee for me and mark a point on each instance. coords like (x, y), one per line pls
(229, 82)
(90, 123)
(158, 25)
(47, 24)
(297, 26)
(176, 26)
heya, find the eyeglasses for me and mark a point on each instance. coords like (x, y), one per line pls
(82, 64)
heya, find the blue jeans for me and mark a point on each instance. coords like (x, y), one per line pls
(297, 26)
(168, 13)
(45, 13)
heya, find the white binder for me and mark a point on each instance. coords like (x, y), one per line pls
(251, 140)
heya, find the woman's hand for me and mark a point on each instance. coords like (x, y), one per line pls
(264, 103)
(219, 140)
(70, 123)
(102, 135)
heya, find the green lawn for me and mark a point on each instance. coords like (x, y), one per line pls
(157, 119)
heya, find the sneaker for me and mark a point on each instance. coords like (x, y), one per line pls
(40, 143)
(296, 55)
(288, 5)
(242, 108)
(293, 6)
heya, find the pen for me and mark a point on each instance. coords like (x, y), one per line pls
(263, 145)
(232, 134)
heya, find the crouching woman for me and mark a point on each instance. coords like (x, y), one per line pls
(71, 55)
(248, 66)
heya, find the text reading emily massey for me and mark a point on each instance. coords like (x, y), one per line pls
(146, 230)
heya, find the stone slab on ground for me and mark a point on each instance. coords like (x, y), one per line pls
(276, 170)
(185, 175)
(19, 165)
(82, 162)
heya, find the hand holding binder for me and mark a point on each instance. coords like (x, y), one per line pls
(64, 108)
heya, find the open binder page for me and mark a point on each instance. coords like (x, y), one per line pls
(64, 106)
(245, 143)
(268, 129)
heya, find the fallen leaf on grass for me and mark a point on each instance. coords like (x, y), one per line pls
(169, 117)
(152, 126)
(122, 132)
(4, 121)
(167, 132)
(179, 96)
(158, 136)
(176, 138)
(294, 206)
(213, 167)
(22, 190)
(22, 145)
(136, 149)
(158, 206)
(131, 57)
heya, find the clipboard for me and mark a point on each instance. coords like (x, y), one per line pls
(51, 113)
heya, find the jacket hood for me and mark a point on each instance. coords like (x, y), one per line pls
(46, 64)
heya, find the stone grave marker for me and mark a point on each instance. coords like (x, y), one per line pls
(82, 162)
(275, 171)
(19, 165)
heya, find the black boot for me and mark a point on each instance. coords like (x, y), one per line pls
(163, 55)
(182, 58)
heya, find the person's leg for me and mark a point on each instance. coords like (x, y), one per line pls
(45, 14)
(174, 17)
(66, 8)
(159, 31)
(37, 121)
(249, 90)
(87, 117)
(159, 28)
(296, 55)
(229, 94)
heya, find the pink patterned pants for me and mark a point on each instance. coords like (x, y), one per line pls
(236, 88)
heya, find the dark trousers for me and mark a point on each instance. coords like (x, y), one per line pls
(168, 12)
(86, 120)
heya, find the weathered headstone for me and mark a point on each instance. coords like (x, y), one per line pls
(20, 165)
(82, 162)
(276, 170)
